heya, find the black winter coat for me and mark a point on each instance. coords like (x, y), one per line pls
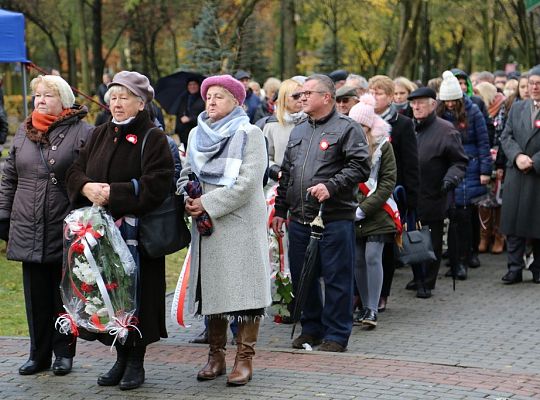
(110, 158)
(191, 106)
(403, 140)
(34, 205)
(441, 158)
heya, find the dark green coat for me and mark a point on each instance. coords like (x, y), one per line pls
(378, 221)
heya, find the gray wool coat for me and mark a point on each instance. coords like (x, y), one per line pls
(233, 264)
(521, 200)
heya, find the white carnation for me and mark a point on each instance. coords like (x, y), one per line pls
(90, 309)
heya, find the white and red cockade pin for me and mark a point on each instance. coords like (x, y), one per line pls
(131, 138)
(537, 123)
(324, 144)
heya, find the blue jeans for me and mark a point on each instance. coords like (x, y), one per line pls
(326, 315)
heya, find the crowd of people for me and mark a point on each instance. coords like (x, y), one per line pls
(335, 146)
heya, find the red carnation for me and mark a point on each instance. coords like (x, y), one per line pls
(77, 247)
(85, 287)
(111, 286)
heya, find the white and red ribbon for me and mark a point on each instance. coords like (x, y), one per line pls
(177, 308)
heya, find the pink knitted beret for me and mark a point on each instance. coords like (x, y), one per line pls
(234, 86)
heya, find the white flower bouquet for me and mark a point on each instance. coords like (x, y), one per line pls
(99, 280)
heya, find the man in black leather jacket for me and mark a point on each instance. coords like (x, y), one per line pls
(326, 157)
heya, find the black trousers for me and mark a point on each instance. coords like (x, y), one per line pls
(428, 272)
(460, 234)
(389, 267)
(41, 284)
(515, 247)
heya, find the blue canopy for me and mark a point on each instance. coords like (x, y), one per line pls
(12, 40)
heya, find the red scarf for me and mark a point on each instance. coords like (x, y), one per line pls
(42, 121)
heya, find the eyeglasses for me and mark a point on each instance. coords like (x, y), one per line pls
(296, 96)
(308, 93)
(534, 83)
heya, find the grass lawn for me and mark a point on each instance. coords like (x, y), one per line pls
(12, 311)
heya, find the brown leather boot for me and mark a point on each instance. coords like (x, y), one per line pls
(498, 243)
(246, 340)
(217, 338)
(486, 223)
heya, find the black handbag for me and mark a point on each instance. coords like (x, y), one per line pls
(417, 247)
(164, 230)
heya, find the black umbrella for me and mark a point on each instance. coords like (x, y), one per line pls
(171, 89)
(308, 269)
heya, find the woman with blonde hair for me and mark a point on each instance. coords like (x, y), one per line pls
(278, 127)
(33, 203)
(402, 89)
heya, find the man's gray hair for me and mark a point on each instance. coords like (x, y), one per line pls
(358, 81)
(325, 81)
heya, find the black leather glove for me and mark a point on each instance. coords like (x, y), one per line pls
(447, 186)
(4, 229)
(273, 172)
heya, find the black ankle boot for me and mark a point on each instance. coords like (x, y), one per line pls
(461, 271)
(134, 373)
(112, 378)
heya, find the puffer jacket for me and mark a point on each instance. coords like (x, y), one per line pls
(475, 141)
(29, 198)
(332, 151)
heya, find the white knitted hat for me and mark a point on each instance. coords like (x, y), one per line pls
(450, 89)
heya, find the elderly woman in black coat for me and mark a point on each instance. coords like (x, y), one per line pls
(33, 203)
(102, 175)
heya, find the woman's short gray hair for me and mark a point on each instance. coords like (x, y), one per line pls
(116, 89)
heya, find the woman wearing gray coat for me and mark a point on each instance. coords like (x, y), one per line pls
(33, 204)
(230, 268)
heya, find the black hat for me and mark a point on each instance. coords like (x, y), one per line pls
(422, 92)
(338, 75)
(241, 74)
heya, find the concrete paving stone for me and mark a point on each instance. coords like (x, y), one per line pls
(419, 351)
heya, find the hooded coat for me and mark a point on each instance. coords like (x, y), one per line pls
(35, 206)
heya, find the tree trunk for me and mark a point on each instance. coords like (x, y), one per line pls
(72, 63)
(410, 21)
(97, 42)
(83, 47)
(426, 63)
(290, 58)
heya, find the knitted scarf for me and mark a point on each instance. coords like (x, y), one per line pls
(495, 104)
(39, 125)
(217, 150)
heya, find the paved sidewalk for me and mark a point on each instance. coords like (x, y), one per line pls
(480, 342)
